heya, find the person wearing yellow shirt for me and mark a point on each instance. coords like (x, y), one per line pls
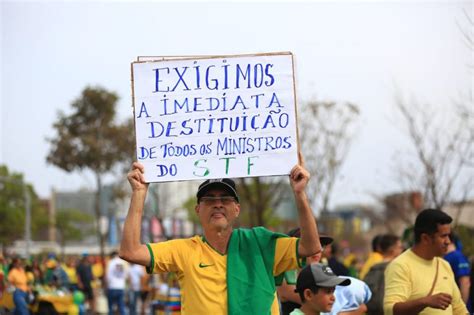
(225, 270)
(17, 277)
(375, 257)
(70, 269)
(420, 281)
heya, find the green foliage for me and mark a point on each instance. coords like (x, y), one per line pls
(70, 224)
(12, 208)
(190, 205)
(466, 235)
(259, 197)
(89, 138)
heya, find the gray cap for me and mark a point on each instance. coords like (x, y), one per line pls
(318, 275)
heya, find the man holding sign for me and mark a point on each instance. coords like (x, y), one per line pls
(225, 270)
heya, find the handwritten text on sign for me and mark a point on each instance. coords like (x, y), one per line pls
(215, 117)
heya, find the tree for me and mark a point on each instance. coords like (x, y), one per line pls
(12, 208)
(326, 131)
(70, 225)
(90, 139)
(441, 142)
(259, 198)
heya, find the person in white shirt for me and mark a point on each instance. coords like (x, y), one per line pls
(136, 272)
(116, 279)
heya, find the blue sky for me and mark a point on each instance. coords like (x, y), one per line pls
(362, 52)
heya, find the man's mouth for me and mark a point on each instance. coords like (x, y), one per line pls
(217, 215)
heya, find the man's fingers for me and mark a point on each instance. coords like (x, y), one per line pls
(137, 173)
(298, 172)
(442, 300)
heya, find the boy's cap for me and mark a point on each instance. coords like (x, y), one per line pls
(226, 184)
(318, 275)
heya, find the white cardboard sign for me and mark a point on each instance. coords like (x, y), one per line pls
(215, 117)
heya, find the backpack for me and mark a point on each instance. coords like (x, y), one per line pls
(375, 279)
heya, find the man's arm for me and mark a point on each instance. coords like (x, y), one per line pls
(130, 247)
(464, 287)
(439, 301)
(309, 241)
(286, 293)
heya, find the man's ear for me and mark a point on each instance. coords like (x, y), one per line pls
(425, 238)
(237, 209)
(196, 208)
(308, 294)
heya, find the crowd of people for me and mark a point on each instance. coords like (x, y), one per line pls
(235, 271)
(255, 271)
(127, 288)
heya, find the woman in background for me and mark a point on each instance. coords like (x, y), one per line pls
(17, 278)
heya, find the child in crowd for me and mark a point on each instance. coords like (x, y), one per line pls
(315, 285)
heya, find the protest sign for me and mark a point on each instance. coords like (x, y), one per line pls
(213, 117)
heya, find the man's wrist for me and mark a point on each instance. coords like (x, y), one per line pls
(139, 192)
(300, 193)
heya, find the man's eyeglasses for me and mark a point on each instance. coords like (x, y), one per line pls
(210, 200)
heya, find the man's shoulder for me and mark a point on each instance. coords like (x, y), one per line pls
(406, 255)
(258, 232)
(400, 262)
(181, 241)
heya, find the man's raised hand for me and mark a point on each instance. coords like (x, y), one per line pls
(136, 177)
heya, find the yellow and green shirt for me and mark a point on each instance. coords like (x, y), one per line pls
(201, 271)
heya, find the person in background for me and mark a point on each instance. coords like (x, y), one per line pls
(30, 276)
(419, 281)
(352, 263)
(55, 274)
(2, 275)
(315, 285)
(18, 279)
(145, 285)
(375, 257)
(98, 269)
(330, 253)
(390, 248)
(85, 279)
(70, 269)
(38, 272)
(136, 272)
(471, 290)
(461, 268)
(116, 278)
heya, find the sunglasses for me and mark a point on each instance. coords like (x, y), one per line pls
(211, 200)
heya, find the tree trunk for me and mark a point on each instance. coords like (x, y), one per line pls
(100, 236)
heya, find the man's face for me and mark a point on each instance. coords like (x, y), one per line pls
(440, 240)
(217, 209)
(321, 301)
(396, 249)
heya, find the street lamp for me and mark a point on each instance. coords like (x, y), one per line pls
(27, 199)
